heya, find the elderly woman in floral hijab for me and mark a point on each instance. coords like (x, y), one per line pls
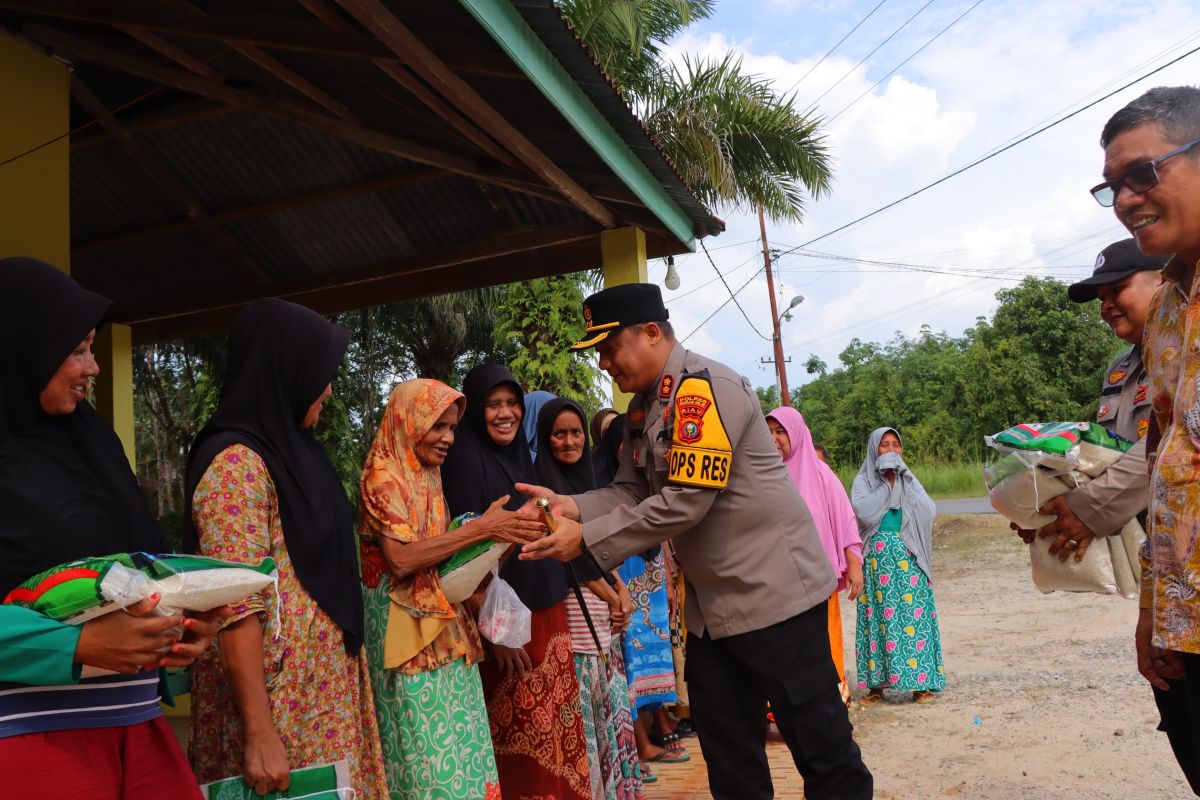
(422, 649)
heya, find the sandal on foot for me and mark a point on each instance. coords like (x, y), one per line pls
(669, 757)
(870, 699)
(923, 697)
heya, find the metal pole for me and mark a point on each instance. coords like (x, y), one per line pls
(780, 371)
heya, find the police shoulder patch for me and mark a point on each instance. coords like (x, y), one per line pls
(701, 453)
(1116, 377)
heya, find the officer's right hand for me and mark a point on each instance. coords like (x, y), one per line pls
(564, 544)
(561, 505)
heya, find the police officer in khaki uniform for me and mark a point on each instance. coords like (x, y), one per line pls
(699, 467)
(1124, 281)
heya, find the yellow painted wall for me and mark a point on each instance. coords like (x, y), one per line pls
(35, 204)
(35, 210)
(624, 258)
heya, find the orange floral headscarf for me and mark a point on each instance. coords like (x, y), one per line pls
(402, 497)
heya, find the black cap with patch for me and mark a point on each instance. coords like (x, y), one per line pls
(1114, 264)
(617, 307)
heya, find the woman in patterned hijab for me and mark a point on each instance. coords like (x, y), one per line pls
(423, 650)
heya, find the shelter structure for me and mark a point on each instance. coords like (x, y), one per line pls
(186, 156)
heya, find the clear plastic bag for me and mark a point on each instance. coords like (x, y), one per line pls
(503, 618)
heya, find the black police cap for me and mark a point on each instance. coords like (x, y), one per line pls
(607, 311)
(1114, 264)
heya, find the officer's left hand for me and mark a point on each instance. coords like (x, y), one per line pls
(1067, 528)
(564, 544)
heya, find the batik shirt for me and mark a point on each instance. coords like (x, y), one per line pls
(1170, 562)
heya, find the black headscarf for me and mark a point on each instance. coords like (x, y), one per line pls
(66, 488)
(606, 457)
(281, 357)
(477, 472)
(563, 478)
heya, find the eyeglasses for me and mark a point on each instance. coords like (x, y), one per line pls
(1140, 179)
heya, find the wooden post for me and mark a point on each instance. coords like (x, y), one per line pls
(114, 387)
(623, 252)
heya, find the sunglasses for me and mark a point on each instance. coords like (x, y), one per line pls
(1138, 180)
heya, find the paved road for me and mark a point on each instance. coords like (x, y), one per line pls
(965, 505)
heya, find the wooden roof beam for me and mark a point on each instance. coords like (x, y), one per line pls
(289, 76)
(75, 48)
(414, 86)
(164, 178)
(222, 30)
(177, 54)
(409, 48)
(260, 209)
(168, 117)
(364, 278)
(302, 39)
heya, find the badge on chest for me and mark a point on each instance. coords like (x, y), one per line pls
(701, 454)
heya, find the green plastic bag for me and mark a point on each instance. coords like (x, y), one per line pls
(1056, 438)
(462, 572)
(319, 782)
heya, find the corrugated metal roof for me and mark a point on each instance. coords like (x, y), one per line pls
(302, 203)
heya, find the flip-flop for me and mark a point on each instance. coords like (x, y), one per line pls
(923, 697)
(870, 699)
(668, 757)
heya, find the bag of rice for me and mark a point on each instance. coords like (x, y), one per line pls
(1042, 461)
(81, 590)
(320, 782)
(1106, 567)
(462, 572)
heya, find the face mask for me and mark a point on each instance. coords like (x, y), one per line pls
(889, 460)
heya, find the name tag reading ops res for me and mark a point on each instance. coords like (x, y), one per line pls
(701, 454)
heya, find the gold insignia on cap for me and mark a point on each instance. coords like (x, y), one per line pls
(587, 315)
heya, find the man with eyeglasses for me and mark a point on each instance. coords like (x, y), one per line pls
(1152, 182)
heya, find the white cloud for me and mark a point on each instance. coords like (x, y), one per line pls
(1008, 67)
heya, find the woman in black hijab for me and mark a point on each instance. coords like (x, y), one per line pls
(67, 492)
(607, 457)
(260, 485)
(540, 746)
(564, 465)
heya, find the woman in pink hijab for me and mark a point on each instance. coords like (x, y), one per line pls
(832, 513)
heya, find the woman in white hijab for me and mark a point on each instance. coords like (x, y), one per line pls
(898, 644)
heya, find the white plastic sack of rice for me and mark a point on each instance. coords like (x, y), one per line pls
(1017, 489)
(1109, 566)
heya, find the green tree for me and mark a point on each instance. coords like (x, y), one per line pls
(736, 143)
(537, 322)
(1040, 358)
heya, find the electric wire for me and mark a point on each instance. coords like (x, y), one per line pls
(892, 72)
(731, 294)
(1004, 149)
(812, 106)
(835, 47)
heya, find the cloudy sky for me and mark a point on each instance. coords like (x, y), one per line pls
(1003, 70)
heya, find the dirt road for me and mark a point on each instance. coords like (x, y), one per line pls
(1043, 702)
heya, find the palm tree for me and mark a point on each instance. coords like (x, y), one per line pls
(734, 141)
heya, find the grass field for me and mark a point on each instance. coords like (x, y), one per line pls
(942, 481)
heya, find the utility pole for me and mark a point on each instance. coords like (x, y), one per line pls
(787, 360)
(780, 370)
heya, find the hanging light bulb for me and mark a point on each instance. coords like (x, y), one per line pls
(672, 279)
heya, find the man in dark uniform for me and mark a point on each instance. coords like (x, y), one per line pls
(699, 467)
(1124, 281)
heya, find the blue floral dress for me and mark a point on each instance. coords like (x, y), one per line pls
(897, 644)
